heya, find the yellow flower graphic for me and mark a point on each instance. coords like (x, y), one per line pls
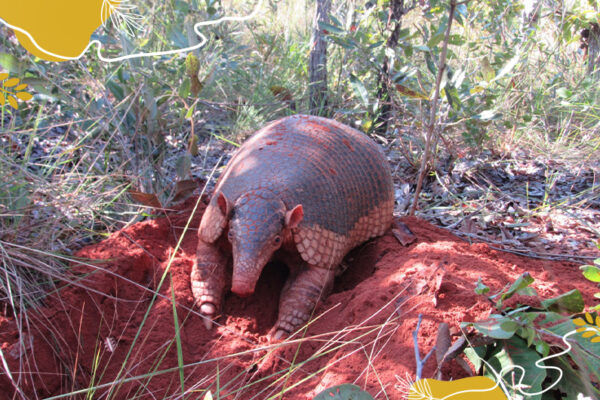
(589, 327)
(11, 90)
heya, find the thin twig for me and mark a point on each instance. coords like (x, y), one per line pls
(420, 362)
(433, 113)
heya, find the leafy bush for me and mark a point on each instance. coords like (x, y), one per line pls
(535, 338)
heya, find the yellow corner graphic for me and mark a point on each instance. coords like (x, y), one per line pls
(59, 27)
(473, 388)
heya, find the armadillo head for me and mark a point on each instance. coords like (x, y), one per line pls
(258, 225)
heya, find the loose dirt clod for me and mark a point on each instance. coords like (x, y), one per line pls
(357, 335)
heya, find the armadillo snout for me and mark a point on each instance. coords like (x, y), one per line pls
(245, 276)
(242, 289)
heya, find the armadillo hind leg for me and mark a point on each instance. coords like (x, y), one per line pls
(299, 298)
(208, 280)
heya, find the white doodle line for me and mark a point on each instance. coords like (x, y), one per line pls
(519, 384)
(197, 25)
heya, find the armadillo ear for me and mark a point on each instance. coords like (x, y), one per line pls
(224, 204)
(215, 218)
(294, 217)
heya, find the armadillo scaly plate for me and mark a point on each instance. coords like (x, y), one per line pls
(306, 189)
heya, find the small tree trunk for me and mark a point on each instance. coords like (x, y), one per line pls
(383, 92)
(593, 51)
(317, 67)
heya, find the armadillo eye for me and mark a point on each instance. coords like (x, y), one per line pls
(230, 236)
(277, 240)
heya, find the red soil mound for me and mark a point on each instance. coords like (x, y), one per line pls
(83, 336)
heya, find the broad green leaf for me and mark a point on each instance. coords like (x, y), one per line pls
(359, 89)
(346, 391)
(509, 326)
(516, 352)
(585, 353)
(492, 327)
(571, 302)
(591, 272)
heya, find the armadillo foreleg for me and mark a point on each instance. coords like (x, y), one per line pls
(299, 298)
(208, 280)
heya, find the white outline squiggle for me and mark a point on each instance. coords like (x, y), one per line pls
(197, 25)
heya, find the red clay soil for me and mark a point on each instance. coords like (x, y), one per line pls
(82, 336)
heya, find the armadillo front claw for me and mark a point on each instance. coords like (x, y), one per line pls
(208, 311)
(276, 334)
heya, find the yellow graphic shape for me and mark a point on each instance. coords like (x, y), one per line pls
(11, 90)
(590, 327)
(61, 27)
(473, 388)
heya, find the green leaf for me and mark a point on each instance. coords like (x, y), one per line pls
(430, 64)
(585, 353)
(522, 282)
(346, 391)
(516, 352)
(359, 89)
(571, 302)
(509, 326)
(116, 90)
(435, 40)
(190, 111)
(330, 29)
(491, 327)
(184, 88)
(591, 272)
(476, 356)
(452, 97)
(542, 347)
(481, 288)
(564, 93)
(10, 63)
